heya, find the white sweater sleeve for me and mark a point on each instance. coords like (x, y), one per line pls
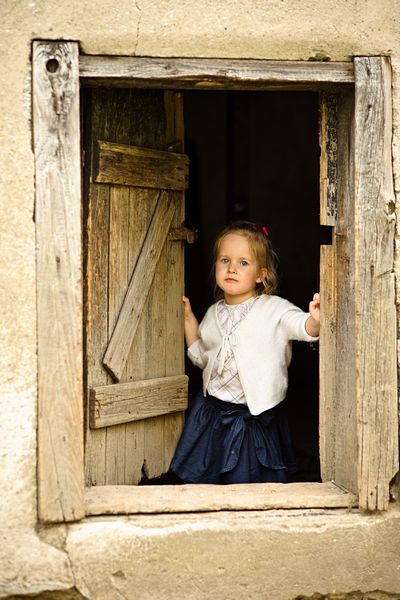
(196, 354)
(294, 322)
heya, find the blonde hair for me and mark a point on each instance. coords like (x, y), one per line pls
(261, 248)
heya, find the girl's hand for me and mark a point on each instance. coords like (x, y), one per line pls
(191, 323)
(315, 308)
(312, 323)
(187, 308)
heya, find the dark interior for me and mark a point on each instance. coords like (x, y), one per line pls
(255, 155)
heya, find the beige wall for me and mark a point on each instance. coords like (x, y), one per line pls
(253, 556)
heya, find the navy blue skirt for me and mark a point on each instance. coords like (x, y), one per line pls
(224, 443)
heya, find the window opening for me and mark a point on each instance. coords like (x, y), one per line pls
(255, 155)
(360, 343)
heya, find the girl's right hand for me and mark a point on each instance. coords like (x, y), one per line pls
(187, 308)
(191, 323)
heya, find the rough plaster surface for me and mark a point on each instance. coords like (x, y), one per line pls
(225, 556)
(374, 595)
(101, 557)
(278, 29)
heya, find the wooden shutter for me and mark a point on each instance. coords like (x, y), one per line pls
(358, 416)
(338, 428)
(137, 390)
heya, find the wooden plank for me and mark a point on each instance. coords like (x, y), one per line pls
(174, 339)
(153, 464)
(142, 205)
(376, 382)
(96, 321)
(338, 418)
(125, 500)
(146, 110)
(118, 278)
(141, 121)
(125, 402)
(183, 234)
(176, 73)
(328, 159)
(140, 167)
(139, 286)
(343, 425)
(100, 124)
(156, 352)
(327, 363)
(59, 275)
(145, 120)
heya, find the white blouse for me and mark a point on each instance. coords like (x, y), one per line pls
(225, 382)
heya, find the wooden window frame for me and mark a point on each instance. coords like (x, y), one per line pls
(58, 71)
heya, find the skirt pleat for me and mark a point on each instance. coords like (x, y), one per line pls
(223, 442)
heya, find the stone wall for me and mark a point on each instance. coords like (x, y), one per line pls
(272, 556)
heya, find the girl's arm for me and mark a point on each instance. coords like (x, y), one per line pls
(191, 323)
(312, 323)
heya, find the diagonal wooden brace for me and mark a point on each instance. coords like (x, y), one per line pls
(139, 286)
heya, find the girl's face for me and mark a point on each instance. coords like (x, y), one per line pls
(236, 270)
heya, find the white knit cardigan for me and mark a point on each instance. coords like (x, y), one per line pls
(261, 345)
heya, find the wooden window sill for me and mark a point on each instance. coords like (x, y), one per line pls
(125, 500)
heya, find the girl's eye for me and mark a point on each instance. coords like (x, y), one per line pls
(224, 260)
(244, 263)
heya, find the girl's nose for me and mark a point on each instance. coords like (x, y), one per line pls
(232, 268)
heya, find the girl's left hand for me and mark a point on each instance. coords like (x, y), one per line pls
(314, 307)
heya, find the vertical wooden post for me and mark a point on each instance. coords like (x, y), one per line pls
(328, 141)
(338, 429)
(328, 216)
(376, 373)
(59, 280)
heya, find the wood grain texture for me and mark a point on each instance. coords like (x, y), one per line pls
(118, 278)
(144, 439)
(142, 205)
(123, 500)
(156, 352)
(328, 358)
(97, 207)
(342, 430)
(174, 337)
(139, 286)
(124, 402)
(338, 416)
(189, 73)
(140, 167)
(101, 295)
(328, 159)
(59, 277)
(376, 384)
(129, 449)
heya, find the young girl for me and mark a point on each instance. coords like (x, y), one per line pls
(236, 431)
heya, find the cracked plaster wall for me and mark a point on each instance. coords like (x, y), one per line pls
(115, 558)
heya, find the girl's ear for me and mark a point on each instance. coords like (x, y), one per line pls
(262, 275)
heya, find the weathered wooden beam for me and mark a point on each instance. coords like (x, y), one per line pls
(328, 158)
(128, 319)
(123, 500)
(135, 400)
(212, 73)
(177, 234)
(56, 127)
(376, 371)
(338, 419)
(140, 167)
(327, 363)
